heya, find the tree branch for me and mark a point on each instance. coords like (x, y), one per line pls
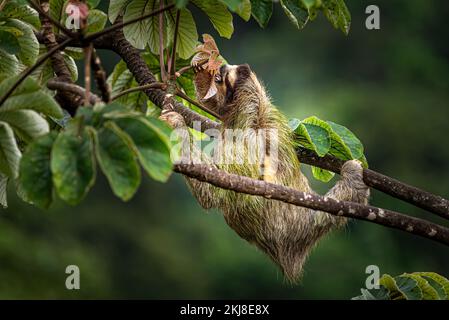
(422, 199)
(73, 88)
(155, 85)
(100, 77)
(387, 218)
(397, 189)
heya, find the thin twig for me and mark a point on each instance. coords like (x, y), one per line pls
(155, 85)
(172, 65)
(87, 58)
(161, 44)
(181, 94)
(122, 24)
(384, 217)
(100, 77)
(185, 69)
(31, 69)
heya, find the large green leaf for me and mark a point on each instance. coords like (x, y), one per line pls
(96, 21)
(153, 152)
(117, 160)
(244, 9)
(428, 292)
(35, 173)
(345, 145)
(262, 10)
(8, 42)
(29, 96)
(296, 12)
(9, 64)
(314, 134)
(21, 12)
(27, 124)
(116, 7)
(29, 46)
(338, 14)
(73, 164)
(322, 174)
(440, 283)
(218, 14)
(9, 151)
(187, 33)
(146, 31)
(57, 11)
(409, 288)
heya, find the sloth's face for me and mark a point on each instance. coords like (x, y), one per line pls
(228, 81)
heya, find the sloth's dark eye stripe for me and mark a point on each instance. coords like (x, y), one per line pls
(229, 90)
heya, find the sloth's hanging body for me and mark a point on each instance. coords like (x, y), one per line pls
(285, 232)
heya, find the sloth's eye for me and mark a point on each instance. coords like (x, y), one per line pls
(218, 78)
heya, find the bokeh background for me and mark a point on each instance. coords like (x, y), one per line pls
(390, 87)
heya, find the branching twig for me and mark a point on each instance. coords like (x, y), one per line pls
(181, 94)
(155, 85)
(161, 44)
(172, 62)
(241, 184)
(188, 68)
(73, 88)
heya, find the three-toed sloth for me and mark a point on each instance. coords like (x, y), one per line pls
(286, 233)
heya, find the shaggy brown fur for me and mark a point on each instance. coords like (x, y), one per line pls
(286, 233)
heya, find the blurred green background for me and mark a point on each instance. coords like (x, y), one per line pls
(389, 86)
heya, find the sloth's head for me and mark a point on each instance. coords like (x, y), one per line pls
(235, 85)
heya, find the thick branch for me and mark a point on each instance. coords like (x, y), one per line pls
(387, 218)
(143, 76)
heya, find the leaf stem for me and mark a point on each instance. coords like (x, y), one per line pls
(182, 95)
(154, 85)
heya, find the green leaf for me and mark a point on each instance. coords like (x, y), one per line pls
(151, 146)
(181, 3)
(345, 145)
(146, 31)
(442, 282)
(27, 124)
(9, 151)
(187, 33)
(3, 190)
(338, 14)
(321, 174)
(428, 292)
(390, 284)
(294, 123)
(96, 21)
(73, 164)
(9, 42)
(409, 288)
(9, 64)
(29, 96)
(21, 12)
(262, 10)
(35, 174)
(115, 8)
(313, 133)
(57, 11)
(244, 9)
(218, 14)
(296, 12)
(117, 160)
(28, 43)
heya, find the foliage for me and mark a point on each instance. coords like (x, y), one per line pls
(111, 135)
(409, 286)
(327, 137)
